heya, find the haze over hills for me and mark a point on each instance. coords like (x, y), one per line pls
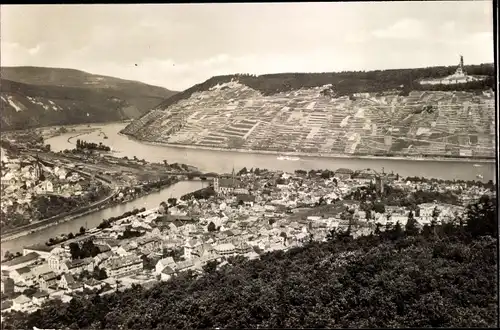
(39, 96)
(383, 113)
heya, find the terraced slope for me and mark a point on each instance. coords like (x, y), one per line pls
(233, 115)
(33, 97)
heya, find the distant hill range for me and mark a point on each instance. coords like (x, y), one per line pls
(36, 96)
(384, 113)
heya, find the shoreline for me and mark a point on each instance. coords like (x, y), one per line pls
(310, 155)
(100, 206)
(79, 215)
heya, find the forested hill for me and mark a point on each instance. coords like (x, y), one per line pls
(346, 82)
(437, 276)
(35, 96)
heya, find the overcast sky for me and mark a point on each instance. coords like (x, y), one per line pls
(176, 46)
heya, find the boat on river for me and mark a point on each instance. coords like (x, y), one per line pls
(281, 157)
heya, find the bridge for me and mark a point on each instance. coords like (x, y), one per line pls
(194, 174)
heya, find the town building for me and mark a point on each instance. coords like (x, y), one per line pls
(225, 249)
(20, 262)
(123, 266)
(58, 257)
(163, 263)
(344, 173)
(167, 273)
(48, 280)
(224, 185)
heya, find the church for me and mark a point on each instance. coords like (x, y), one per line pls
(227, 185)
(459, 77)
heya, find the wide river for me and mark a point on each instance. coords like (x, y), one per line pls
(224, 162)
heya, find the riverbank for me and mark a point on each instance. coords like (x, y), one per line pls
(98, 206)
(305, 154)
(10, 237)
(93, 219)
(82, 132)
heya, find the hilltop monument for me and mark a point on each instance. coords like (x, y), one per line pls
(459, 77)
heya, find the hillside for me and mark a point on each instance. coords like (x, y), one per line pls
(440, 276)
(34, 96)
(382, 113)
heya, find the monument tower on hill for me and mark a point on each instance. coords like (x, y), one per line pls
(459, 77)
(460, 70)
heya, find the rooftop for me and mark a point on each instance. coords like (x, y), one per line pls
(19, 260)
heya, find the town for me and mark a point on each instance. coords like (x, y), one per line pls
(41, 188)
(244, 214)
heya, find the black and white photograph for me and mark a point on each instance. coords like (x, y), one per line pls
(279, 165)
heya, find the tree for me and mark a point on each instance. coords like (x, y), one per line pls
(379, 208)
(211, 227)
(411, 227)
(481, 219)
(71, 236)
(332, 235)
(397, 232)
(74, 249)
(210, 266)
(172, 201)
(8, 255)
(435, 213)
(82, 230)
(326, 174)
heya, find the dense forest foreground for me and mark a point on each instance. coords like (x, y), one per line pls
(434, 276)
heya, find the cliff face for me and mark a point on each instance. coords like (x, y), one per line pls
(34, 97)
(233, 115)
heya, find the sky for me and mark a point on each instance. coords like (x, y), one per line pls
(179, 45)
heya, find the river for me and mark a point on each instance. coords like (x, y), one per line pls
(224, 162)
(94, 219)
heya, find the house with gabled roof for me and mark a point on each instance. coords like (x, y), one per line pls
(184, 265)
(23, 275)
(21, 303)
(66, 280)
(48, 280)
(127, 249)
(76, 266)
(148, 245)
(75, 287)
(40, 297)
(93, 284)
(167, 273)
(163, 263)
(190, 245)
